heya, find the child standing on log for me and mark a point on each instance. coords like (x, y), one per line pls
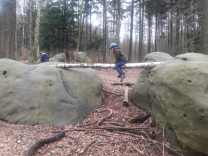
(120, 60)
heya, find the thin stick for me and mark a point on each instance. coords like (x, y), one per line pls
(107, 91)
(152, 142)
(109, 115)
(86, 147)
(126, 84)
(138, 150)
(41, 143)
(87, 124)
(163, 142)
(113, 123)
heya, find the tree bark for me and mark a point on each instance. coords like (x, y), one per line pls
(104, 30)
(204, 29)
(7, 28)
(141, 18)
(131, 32)
(31, 10)
(126, 99)
(100, 65)
(118, 21)
(35, 51)
(41, 143)
(80, 26)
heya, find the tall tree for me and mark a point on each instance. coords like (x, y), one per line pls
(35, 50)
(104, 30)
(31, 23)
(87, 9)
(7, 28)
(204, 31)
(131, 31)
(80, 25)
(141, 24)
(118, 20)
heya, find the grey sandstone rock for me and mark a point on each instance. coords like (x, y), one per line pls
(41, 94)
(58, 58)
(81, 57)
(177, 96)
(140, 91)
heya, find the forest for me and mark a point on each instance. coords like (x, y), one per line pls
(139, 27)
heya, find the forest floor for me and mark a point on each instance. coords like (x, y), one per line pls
(106, 131)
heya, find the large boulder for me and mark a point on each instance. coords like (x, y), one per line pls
(192, 57)
(81, 57)
(41, 94)
(176, 96)
(179, 94)
(140, 90)
(58, 58)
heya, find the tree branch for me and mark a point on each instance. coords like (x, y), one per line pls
(41, 143)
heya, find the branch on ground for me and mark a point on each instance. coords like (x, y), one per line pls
(122, 84)
(41, 143)
(107, 91)
(109, 115)
(141, 119)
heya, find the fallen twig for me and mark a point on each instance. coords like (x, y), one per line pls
(86, 147)
(111, 112)
(163, 142)
(153, 142)
(107, 91)
(105, 128)
(87, 124)
(168, 148)
(138, 150)
(126, 84)
(113, 123)
(171, 151)
(141, 119)
(41, 143)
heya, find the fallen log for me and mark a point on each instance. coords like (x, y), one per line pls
(109, 115)
(126, 100)
(41, 143)
(107, 65)
(107, 91)
(141, 119)
(126, 84)
(105, 128)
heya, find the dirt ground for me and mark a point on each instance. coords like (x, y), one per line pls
(106, 131)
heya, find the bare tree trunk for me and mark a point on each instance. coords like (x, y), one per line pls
(156, 31)
(118, 21)
(131, 31)
(104, 30)
(150, 33)
(31, 10)
(177, 30)
(87, 14)
(80, 26)
(35, 51)
(141, 18)
(7, 28)
(204, 31)
(23, 26)
(106, 65)
(90, 27)
(171, 33)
